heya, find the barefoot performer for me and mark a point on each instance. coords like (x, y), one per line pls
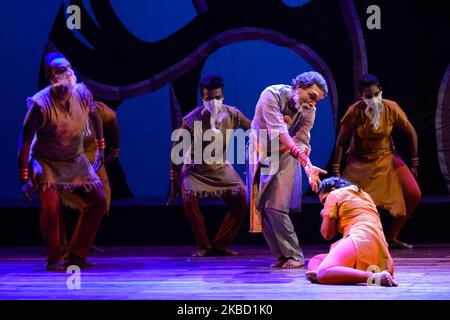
(57, 118)
(286, 113)
(219, 180)
(372, 162)
(362, 255)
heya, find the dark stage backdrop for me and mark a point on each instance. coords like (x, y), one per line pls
(145, 59)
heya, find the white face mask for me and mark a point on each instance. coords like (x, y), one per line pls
(374, 109)
(71, 81)
(68, 82)
(214, 107)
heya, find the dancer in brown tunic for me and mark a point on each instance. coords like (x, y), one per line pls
(372, 162)
(57, 118)
(219, 180)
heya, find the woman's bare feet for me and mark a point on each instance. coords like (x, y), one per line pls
(279, 263)
(395, 244)
(386, 279)
(312, 276)
(54, 266)
(291, 263)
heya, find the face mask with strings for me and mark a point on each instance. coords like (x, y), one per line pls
(64, 82)
(374, 108)
(214, 107)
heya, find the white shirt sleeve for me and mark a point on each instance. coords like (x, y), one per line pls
(271, 113)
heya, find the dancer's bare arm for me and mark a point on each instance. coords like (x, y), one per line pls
(328, 228)
(114, 130)
(411, 133)
(244, 122)
(175, 173)
(343, 135)
(98, 127)
(32, 122)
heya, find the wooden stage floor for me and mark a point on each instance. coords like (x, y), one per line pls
(168, 273)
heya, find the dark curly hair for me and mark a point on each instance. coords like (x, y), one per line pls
(329, 184)
(211, 82)
(48, 60)
(367, 81)
(307, 79)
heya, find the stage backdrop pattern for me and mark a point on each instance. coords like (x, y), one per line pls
(145, 60)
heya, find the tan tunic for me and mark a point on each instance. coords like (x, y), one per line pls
(108, 118)
(57, 156)
(358, 218)
(211, 180)
(371, 160)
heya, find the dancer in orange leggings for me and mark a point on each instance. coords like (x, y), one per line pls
(372, 162)
(362, 255)
(53, 133)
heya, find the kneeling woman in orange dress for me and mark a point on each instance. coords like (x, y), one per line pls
(362, 255)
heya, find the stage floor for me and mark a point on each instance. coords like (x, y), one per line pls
(168, 273)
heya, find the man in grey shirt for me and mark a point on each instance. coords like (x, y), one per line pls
(287, 113)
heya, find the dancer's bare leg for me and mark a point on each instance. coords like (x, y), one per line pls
(313, 266)
(338, 267)
(314, 262)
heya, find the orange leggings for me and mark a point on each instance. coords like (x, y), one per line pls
(86, 228)
(411, 194)
(338, 266)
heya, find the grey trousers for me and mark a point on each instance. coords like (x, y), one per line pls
(280, 235)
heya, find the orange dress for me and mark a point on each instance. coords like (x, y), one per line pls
(371, 160)
(357, 217)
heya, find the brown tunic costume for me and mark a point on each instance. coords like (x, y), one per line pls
(57, 156)
(217, 179)
(212, 180)
(108, 118)
(371, 160)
